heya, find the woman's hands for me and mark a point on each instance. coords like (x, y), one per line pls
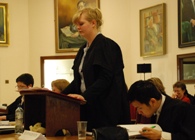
(77, 96)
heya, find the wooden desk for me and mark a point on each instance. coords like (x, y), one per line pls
(54, 111)
(15, 137)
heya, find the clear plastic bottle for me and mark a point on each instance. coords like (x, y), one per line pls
(19, 128)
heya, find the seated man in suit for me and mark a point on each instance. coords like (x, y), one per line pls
(159, 85)
(175, 117)
(24, 81)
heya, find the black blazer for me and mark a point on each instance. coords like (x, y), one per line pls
(12, 107)
(106, 91)
(178, 118)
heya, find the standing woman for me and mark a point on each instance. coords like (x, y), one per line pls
(98, 74)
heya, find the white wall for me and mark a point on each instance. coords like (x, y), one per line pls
(14, 59)
(32, 34)
(122, 25)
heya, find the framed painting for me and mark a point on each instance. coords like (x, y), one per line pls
(4, 26)
(152, 31)
(186, 68)
(186, 23)
(67, 38)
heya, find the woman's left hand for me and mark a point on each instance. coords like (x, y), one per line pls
(77, 96)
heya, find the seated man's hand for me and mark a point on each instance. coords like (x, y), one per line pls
(151, 133)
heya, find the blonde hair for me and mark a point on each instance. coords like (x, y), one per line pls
(61, 84)
(158, 83)
(91, 14)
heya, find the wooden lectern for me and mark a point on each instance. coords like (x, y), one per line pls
(55, 111)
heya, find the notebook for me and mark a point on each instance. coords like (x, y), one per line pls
(133, 129)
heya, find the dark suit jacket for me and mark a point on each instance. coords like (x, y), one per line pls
(178, 118)
(11, 109)
(106, 91)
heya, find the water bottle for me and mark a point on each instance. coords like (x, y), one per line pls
(19, 120)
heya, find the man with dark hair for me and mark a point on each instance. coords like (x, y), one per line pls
(175, 117)
(24, 81)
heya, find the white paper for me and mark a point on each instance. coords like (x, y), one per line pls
(30, 135)
(4, 123)
(6, 126)
(133, 129)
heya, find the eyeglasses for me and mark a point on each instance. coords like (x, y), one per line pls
(21, 87)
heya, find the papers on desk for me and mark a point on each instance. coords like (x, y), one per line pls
(133, 129)
(6, 127)
(29, 135)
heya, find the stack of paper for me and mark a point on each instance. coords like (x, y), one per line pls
(29, 135)
(6, 127)
(133, 129)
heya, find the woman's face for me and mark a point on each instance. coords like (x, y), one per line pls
(84, 26)
(178, 92)
(55, 89)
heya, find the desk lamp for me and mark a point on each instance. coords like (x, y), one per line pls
(144, 68)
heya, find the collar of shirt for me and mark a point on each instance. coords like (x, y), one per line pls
(160, 108)
(88, 45)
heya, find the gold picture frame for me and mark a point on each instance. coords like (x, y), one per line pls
(67, 39)
(4, 25)
(152, 31)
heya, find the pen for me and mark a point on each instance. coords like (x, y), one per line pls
(153, 126)
(150, 127)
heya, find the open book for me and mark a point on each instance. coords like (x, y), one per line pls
(133, 129)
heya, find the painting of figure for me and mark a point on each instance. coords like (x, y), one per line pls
(1, 25)
(4, 29)
(186, 17)
(67, 36)
(152, 34)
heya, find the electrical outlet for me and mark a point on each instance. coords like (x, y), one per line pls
(6, 81)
